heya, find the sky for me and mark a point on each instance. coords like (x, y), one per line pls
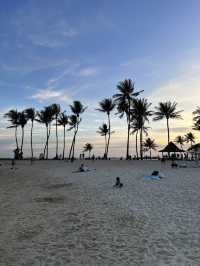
(60, 51)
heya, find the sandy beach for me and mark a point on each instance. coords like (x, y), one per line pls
(52, 216)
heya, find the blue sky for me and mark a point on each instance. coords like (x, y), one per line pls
(58, 51)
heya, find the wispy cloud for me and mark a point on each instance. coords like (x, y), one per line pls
(88, 72)
(51, 94)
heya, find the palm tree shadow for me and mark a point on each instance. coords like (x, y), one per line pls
(57, 186)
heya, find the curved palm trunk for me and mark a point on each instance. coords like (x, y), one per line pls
(141, 145)
(73, 149)
(63, 157)
(16, 138)
(136, 143)
(56, 137)
(22, 143)
(128, 137)
(32, 140)
(109, 133)
(70, 152)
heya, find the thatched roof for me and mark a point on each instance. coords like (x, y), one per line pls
(171, 147)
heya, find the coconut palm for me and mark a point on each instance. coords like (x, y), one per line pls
(77, 109)
(168, 111)
(141, 113)
(22, 121)
(196, 119)
(31, 115)
(13, 117)
(189, 137)
(45, 117)
(150, 145)
(106, 106)
(55, 111)
(63, 120)
(123, 100)
(180, 140)
(104, 131)
(88, 147)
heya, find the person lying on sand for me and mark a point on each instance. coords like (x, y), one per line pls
(118, 184)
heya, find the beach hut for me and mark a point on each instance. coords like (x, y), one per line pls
(171, 148)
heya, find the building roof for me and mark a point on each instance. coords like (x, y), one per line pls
(171, 147)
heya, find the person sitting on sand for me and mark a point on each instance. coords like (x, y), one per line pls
(174, 165)
(83, 168)
(118, 184)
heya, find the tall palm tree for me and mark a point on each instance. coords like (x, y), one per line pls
(106, 106)
(45, 117)
(123, 99)
(63, 120)
(150, 145)
(13, 117)
(196, 119)
(180, 140)
(104, 131)
(141, 113)
(88, 147)
(189, 137)
(22, 121)
(77, 109)
(31, 115)
(55, 111)
(168, 111)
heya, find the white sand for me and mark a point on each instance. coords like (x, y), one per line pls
(51, 216)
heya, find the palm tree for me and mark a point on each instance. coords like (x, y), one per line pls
(77, 108)
(150, 145)
(180, 140)
(104, 131)
(22, 121)
(124, 99)
(55, 111)
(31, 115)
(63, 121)
(13, 117)
(196, 119)
(73, 122)
(189, 137)
(88, 147)
(106, 106)
(167, 110)
(141, 113)
(136, 126)
(45, 116)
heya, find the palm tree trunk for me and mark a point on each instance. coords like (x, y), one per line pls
(105, 154)
(32, 140)
(128, 137)
(168, 137)
(109, 133)
(63, 157)
(70, 152)
(56, 137)
(16, 138)
(150, 153)
(22, 139)
(47, 142)
(141, 145)
(136, 143)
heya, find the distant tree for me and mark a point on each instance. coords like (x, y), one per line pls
(196, 119)
(55, 112)
(180, 140)
(31, 115)
(104, 131)
(88, 148)
(45, 117)
(106, 106)
(168, 111)
(22, 121)
(63, 120)
(123, 100)
(77, 109)
(141, 114)
(189, 137)
(150, 145)
(13, 117)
